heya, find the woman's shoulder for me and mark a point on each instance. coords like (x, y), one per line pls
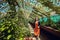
(36, 22)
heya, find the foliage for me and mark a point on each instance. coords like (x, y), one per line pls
(13, 26)
(50, 23)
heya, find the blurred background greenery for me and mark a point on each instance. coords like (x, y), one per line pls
(16, 14)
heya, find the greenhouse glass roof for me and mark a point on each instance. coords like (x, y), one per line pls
(56, 2)
(4, 7)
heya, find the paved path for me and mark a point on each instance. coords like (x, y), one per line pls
(31, 29)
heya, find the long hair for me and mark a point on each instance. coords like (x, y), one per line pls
(37, 20)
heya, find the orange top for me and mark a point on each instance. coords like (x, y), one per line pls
(36, 24)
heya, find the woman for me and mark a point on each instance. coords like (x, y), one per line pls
(37, 29)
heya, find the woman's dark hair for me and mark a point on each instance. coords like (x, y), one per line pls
(38, 21)
(35, 19)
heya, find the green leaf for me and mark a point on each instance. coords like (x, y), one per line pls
(9, 36)
(9, 31)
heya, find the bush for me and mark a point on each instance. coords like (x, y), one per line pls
(12, 27)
